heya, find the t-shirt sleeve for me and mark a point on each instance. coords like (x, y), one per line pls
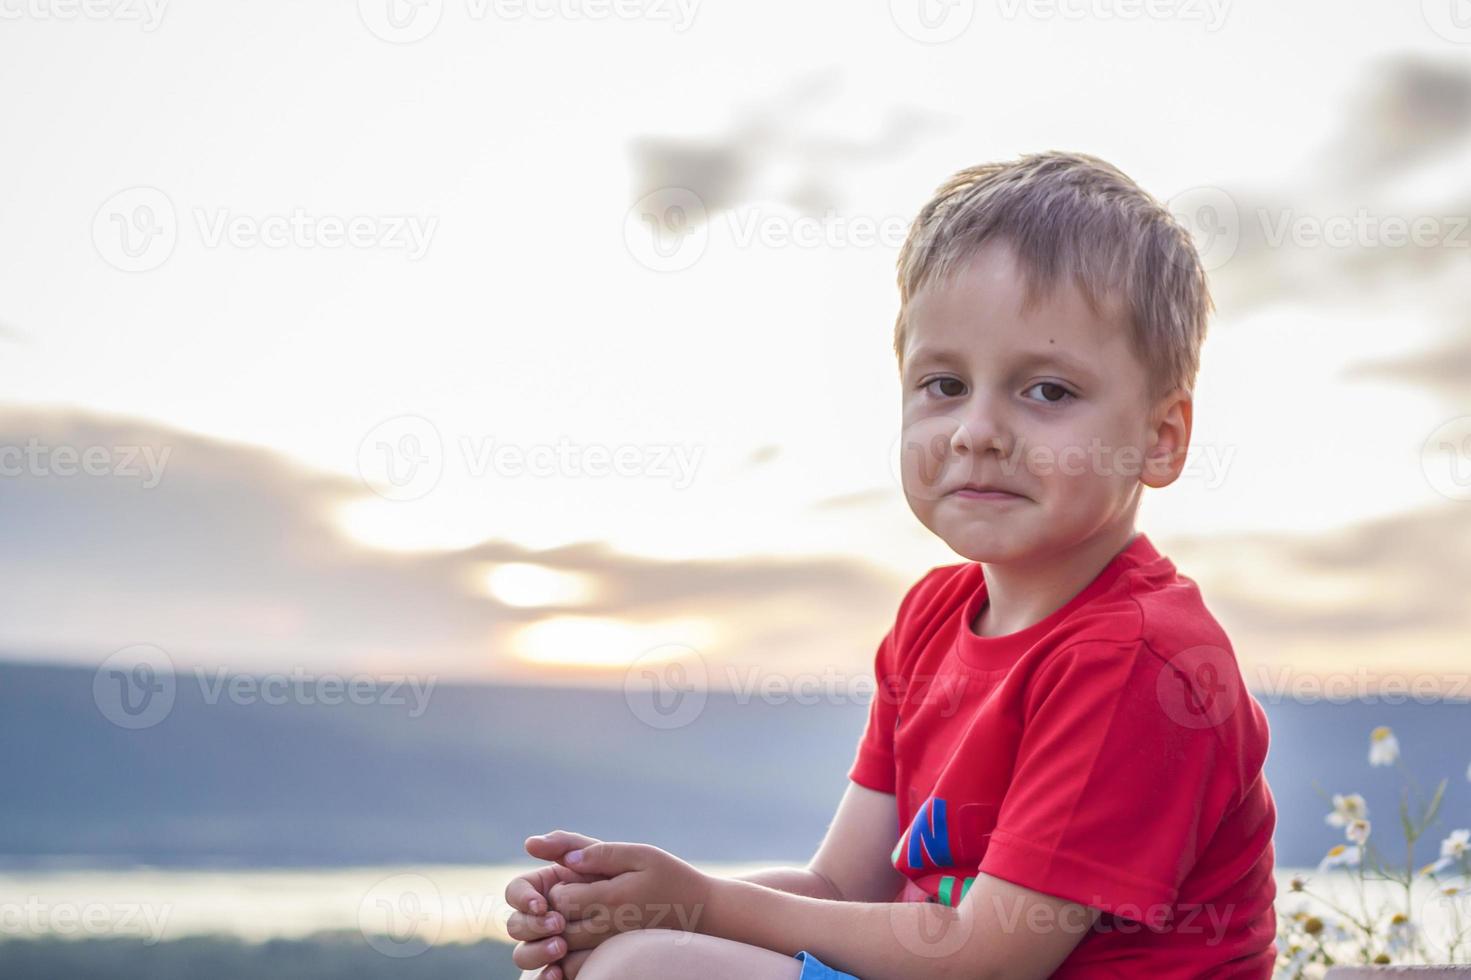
(1115, 791)
(873, 764)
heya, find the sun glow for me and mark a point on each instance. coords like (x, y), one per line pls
(586, 641)
(527, 586)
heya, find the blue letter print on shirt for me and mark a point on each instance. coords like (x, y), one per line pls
(929, 836)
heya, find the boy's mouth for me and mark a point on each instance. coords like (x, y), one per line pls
(984, 491)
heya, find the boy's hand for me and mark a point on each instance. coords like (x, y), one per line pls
(533, 923)
(636, 886)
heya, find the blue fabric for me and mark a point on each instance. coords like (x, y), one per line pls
(815, 969)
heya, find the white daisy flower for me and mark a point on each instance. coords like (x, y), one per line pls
(1455, 845)
(1346, 808)
(1383, 747)
(1401, 937)
(1434, 867)
(1357, 831)
(1339, 855)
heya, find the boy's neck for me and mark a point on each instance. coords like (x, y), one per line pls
(1022, 595)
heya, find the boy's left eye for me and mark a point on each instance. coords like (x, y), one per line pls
(1053, 392)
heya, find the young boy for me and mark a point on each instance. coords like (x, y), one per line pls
(1061, 744)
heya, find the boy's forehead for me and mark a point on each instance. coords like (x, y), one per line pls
(960, 318)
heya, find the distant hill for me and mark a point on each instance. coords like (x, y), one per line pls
(262, 785)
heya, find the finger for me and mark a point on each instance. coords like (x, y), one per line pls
(551, 846)
(571, 964)
(527, 893)
(577, 900)
(606, 858)
(527, 928)
(534, 955)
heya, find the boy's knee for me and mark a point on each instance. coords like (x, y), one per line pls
(621, 957)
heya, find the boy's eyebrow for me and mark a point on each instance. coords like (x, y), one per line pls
(1032, 358)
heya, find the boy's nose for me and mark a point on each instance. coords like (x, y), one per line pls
(979, 433)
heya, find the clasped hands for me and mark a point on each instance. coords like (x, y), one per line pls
(593, 891)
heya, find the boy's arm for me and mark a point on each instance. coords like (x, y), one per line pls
(793, 881)
(1000, 931)
(852, 864)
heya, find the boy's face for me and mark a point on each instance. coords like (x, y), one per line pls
(1050, 406)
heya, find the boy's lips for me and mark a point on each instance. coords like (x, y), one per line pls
(979, 491)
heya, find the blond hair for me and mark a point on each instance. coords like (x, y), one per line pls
(1071, 216)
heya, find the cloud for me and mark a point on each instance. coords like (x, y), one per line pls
(229, 554)
(234, 559)
(1386, 595)
(1411, 109)
(1396, 157)
(774, 151)
(1446, 370)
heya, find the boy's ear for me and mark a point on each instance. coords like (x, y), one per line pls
(1169, 437)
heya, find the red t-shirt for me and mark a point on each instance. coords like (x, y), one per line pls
(1109, 755)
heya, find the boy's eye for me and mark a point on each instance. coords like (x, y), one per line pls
(1052, 392)
(956, 387)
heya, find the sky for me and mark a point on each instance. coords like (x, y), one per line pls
(524, 341)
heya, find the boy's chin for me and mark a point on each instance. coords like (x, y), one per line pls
(986, 544)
